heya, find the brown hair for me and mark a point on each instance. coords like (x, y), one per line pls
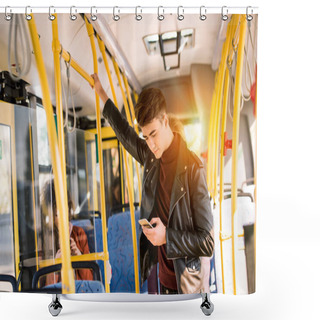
(176, 125)
(151, 104)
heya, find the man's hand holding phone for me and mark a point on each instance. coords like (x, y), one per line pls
(156, 235)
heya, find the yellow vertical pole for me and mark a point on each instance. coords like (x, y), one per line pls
(235, 136)
(68, 285)
(125, 81)
(33, 198)
(217, 117)
(87, 177)
(94, 177)
(102, 188)
(125, 102)
(222, 68)
(210, 142)
(225, 91)
(56, 49)
(104, 56)
(133, 220)
(223, 129)
(122, 152)
(129, 174)
(135, 125)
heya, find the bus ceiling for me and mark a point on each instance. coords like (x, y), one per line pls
(201, 50)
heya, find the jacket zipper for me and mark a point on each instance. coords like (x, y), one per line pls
(176, 204)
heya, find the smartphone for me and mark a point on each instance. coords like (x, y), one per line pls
(145, 223)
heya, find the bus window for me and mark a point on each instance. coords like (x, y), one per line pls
(78, 172)
(44, 158)
(113, 174)
(6, 223)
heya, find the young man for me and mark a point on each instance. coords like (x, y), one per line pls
(174, 195)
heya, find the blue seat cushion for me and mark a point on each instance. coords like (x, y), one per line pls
(121, 251)
(82, 286)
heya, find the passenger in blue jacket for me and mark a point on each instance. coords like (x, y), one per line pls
(174, 198)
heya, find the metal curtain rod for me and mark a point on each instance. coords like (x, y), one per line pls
(129, 10)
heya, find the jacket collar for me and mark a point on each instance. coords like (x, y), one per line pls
(178, 188)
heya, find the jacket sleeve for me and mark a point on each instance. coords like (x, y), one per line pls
(200, 241)
(136, 146)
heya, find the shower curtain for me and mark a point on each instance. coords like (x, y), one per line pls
(204, 65)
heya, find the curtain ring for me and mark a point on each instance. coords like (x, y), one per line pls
(51, 16)
(180, 16)
(7, 16)
(224, 16)
(203, 15)
(28, 16)
(249, 16)
(93, 16)
(73, 17)
(160, 16)
(115, 17)
(138, 16)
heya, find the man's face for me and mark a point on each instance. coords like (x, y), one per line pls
(155, 135)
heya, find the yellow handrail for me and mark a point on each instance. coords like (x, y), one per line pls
(235, 136)
(68, 285)
(84, 257)
(66, 56)
(102, 189)
(104, 56)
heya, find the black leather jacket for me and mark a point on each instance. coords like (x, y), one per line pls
(189, 233)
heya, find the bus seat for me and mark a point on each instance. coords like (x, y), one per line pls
(121, 251)
(99, 244)
(10, 279)
(244, 216)
(246, 208)
(82, 286)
